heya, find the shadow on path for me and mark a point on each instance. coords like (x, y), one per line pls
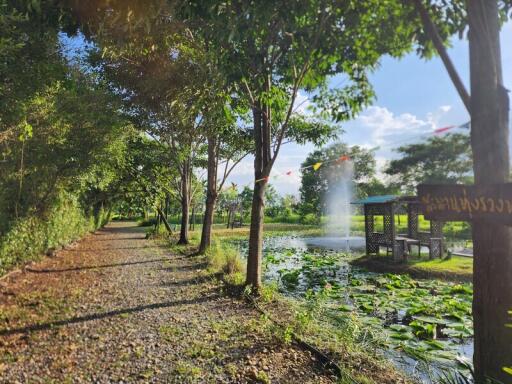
(112, 248)
(143, 237)
(96, 316)
(189, 267)
(93, 266)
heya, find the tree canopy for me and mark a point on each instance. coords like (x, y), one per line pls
(439, 160)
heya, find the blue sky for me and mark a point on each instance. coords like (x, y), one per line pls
(414, 97)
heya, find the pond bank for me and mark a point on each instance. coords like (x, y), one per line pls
(458, 269)
(381, 312)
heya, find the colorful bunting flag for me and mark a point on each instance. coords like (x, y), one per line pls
(466, 125)
(262, 179)
(444, 129)
(342, 158)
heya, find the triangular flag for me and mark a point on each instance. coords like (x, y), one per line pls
(262, 179)
(316, 166)
(441, 130)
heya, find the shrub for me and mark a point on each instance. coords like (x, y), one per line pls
(310, 219)
(224, 259)
(30, 237)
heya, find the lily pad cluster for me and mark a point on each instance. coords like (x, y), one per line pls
(426, 320)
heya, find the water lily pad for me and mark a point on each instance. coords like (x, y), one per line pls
(402, 335)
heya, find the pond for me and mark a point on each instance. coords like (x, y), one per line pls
(426, 325)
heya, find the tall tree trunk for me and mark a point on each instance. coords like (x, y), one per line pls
(206, 233)
(211, 194)
(256, 236)
(185, 203)
(262, 167)
(492, 242)
(228, 218)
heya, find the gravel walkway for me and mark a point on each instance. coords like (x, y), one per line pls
(116, 308)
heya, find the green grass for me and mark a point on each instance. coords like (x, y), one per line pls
(269, 229)
(456, 264)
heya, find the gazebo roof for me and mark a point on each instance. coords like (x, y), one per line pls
(378, 199)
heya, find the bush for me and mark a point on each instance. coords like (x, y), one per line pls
(310, 219)
(30, 237)
(288, 218)
(224, 259)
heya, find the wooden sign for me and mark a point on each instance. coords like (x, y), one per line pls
(467, 202)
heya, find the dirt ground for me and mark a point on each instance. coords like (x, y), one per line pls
(117, 308)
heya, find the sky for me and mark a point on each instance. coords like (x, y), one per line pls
(414, 97)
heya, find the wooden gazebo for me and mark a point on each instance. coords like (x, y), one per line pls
(399, 245)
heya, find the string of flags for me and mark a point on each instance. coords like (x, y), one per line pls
(316, 166)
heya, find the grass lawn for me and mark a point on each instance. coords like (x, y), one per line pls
(269, 229)
(457, 268)
(457, 264)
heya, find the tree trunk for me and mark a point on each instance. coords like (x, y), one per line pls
(492, 277)
(185, 202)
(256, 236)
(262, 167)
(211, 195)
(229, 217)
(206, 233)
(191, 226)
(163, 219)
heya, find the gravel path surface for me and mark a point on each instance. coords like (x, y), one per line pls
(116, 308)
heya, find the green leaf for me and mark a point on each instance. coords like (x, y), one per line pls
(508, 370)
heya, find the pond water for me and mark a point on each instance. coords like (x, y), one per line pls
(425, 325)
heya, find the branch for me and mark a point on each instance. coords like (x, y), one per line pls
(227, 171)
(433, 33)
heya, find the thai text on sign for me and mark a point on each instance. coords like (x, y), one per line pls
(466, 202)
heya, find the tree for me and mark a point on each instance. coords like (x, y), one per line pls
(438, 160)
(492, 243)
(270, 50)
(315, 183)
(488, 106)
(61, 133)
(272, 200)
(165, 86)
(228, 143)
(72, 133)
(29, 57)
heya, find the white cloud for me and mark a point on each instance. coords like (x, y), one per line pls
(378, 126)
(385, 127)
(302, 104)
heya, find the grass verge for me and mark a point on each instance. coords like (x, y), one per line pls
(455, 268)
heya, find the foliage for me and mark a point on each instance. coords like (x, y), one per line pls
(29, 57)
(224, 258)
(425, 319)
(62, 137)
(30, 237)
(438, 160)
